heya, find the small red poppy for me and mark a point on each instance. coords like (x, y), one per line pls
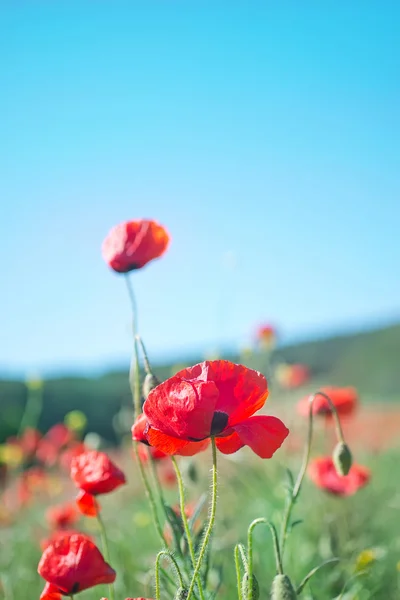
(214, 398)
(139, 429)
(95, 473)
(62, 516)
(266, 336)
(73, 564)
(131, 245)
(87, 504)
(344, 399)
(323, 473)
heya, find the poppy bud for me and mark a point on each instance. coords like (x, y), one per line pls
(149, 383)
(282, 588)
(255, 593)
(181, 594)
(342, 458)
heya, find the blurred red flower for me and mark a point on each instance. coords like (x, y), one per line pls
(266, 336)
(344, 399)
(139, 429)
(28, 441)
(95, 473)
(87, 504)
(131, 245)
(50, 446)
(62, 516)
(72, 564)
(292, 376)
(214, 398)
(323, 473)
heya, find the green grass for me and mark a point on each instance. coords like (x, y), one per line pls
(249, 488)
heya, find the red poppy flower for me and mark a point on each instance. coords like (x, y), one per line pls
(29, 441)
(87, 504)
(214, 398)
(58, 535)
(266, 336)
(323, 473)
(73, 564)
(62, 516)
(131, 245)
(344, 399)
(95, 473)
(139, 429)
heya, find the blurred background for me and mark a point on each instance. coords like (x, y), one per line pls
(264, 137)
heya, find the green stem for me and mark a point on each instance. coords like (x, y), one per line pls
(150, 495)
(213, 509)
(278, 560)
(303, 469)
(134, 371)
(33, 408)
(106, 551)
(244, 557)
(146, 361)
(237, 566)
(186, 522)
(157, 569)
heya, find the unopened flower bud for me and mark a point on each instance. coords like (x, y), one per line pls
(149, 383)
(181, 594)
(255, 593)
(282, 588)
(342, 458)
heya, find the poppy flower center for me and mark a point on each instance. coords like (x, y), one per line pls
(75, 588)
(219, 422)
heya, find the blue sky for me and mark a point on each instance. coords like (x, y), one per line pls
(264, 135)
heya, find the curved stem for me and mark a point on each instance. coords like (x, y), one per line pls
(186, 522)
(278, 560)
(297, 486)
(237, 567)
(106, 551)
(213, 510)
(150, 495)
(134, 371)
(157, 569)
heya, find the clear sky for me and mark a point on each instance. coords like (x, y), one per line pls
(264, 135)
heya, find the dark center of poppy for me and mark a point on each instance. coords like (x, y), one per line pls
(75, 588)
(219, 422)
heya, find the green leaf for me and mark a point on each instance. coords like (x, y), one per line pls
(312, 573)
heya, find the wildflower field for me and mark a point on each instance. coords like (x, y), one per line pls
(241, 477)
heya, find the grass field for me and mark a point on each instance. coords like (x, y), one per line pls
(363, 531)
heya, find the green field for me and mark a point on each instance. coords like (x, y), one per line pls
(367, 523)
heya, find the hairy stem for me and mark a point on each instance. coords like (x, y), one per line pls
(213, 509)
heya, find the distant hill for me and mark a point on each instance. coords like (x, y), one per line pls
(369, 360)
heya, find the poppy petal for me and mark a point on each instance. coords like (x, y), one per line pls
(50, 592)
(229, 444)
(242, 391)
(194, 448)
(263, 434)
(87, 504)
(165, 443)
(182, 409)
